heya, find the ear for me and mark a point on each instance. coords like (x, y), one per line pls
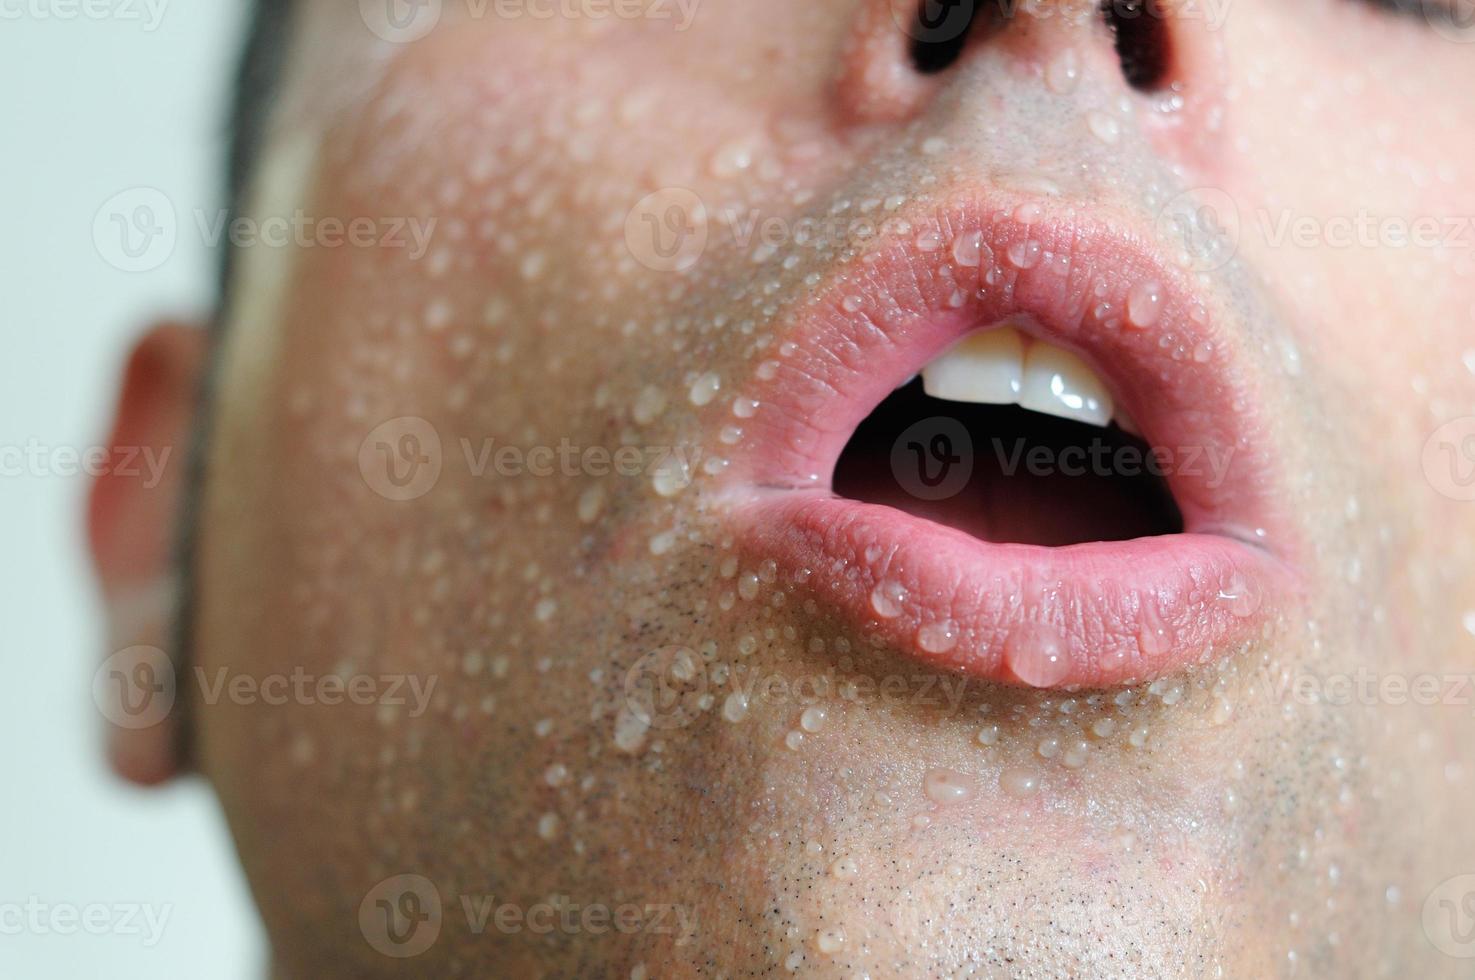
(133, 518)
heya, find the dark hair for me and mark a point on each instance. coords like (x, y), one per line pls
(257, 74)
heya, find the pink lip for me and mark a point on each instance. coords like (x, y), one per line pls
(1086, 615)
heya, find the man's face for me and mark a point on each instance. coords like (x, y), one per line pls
(542, 468)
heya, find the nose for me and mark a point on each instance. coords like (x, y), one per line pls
(901, 53)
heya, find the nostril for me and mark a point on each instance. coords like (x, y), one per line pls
(942, 27)
(1141, 41)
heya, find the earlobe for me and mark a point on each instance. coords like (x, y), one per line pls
(133, 518)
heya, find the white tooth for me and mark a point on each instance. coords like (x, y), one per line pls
(1126, 423)
(1057, 382)
(985, 368)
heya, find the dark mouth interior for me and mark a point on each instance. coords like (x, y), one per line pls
(1033, 478)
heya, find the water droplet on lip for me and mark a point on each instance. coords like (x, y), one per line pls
(886, 599)
(968, 249)
(938, 637)
(1024, 255)
(1036, 655)
(1144, 304)
(1242, 597)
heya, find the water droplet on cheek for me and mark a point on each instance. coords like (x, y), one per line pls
(1105, 128)
(1076, 754)
(829, 941)
(1036, 655)
(735, 707)
(548, 826)
(844, 868)
(748, 586)
(1019, 782)
(591, 502)
(649, 405)
(704, 389)
(630, 731)
(947, 786)
(1063, 72)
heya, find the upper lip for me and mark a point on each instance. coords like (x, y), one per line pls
(1120, 611)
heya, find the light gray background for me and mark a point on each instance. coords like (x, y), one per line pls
(97, 97)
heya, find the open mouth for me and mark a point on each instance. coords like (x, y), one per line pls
(1016, 446)
(1009, 438)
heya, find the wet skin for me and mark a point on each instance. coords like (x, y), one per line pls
(813, 792)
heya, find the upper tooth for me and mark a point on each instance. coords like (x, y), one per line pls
(1058, 382)
(1002, 367)
(986, 368)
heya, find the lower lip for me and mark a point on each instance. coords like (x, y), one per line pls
(1088, 615)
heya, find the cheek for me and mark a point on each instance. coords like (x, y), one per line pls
(1356, 211)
